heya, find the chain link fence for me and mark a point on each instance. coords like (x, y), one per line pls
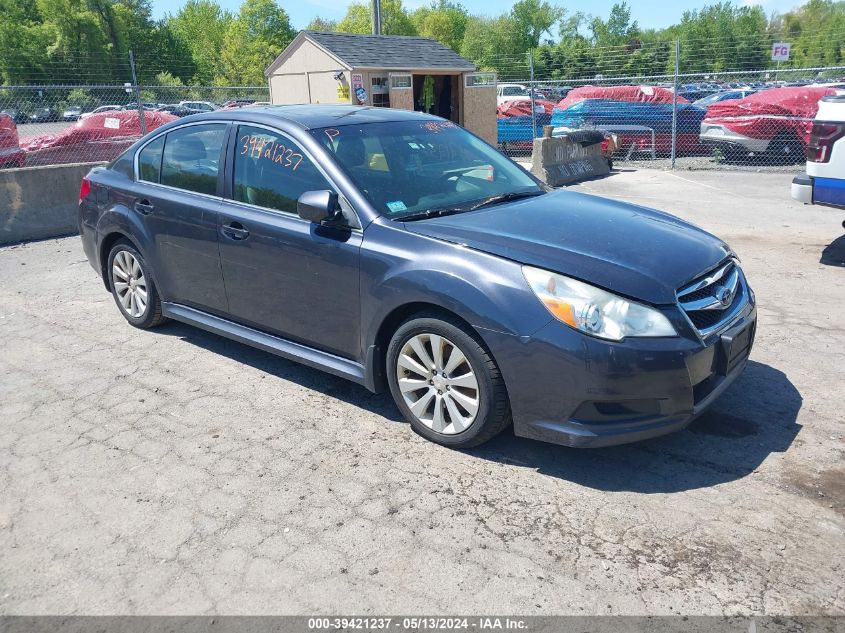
(60, 124)
(756, 118)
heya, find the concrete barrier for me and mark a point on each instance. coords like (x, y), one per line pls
(560, 160)
(40, 202)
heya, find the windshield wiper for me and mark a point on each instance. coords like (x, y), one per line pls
(505, 197)
(431, 213)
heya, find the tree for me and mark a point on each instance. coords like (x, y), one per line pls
(320, 24)
(443, 21)
(533, 18)
(496, 44)
(253, 40)
(394, 19)
(201, 25)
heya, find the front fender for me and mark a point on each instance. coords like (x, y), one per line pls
(488, 292)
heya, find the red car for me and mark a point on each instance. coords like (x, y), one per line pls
(96, 138)
(774, 123)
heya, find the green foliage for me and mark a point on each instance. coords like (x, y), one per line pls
(395, 20)
(87, 41)
(443, 21)
(253, 40)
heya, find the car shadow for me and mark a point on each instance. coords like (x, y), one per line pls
(314, 379)
(834, 253)
(754, 418)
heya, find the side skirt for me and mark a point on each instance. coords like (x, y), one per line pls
(286, 349)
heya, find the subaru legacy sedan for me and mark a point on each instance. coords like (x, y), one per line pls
(399, 251)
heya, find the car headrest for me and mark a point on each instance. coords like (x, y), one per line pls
(188, 149)
(350, 151)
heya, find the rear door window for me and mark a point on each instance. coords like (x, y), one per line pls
(272, 171)
(191, 157)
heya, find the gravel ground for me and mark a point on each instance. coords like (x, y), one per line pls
(174, 472)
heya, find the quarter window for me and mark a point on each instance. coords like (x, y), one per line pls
(191, 158)
(149, 160)
(272, 171)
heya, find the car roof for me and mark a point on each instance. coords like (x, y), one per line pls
(309, 116)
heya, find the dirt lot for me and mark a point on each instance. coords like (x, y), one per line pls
(175, 472)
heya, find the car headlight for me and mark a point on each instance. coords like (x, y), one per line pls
(594, 311)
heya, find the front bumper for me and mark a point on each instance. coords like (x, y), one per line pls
(571, 389)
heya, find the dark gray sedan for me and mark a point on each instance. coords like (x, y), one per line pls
(399, 251)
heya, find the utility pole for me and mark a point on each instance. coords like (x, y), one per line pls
(376, 17)
(531, 88)
(137, 93)
(675, 102)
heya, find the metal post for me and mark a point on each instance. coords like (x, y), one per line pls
(675, 102)
(376, 17)
(137, 93)
(531, 90)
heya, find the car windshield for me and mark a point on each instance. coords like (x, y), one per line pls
(407, 168)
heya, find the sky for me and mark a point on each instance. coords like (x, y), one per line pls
(650, 14)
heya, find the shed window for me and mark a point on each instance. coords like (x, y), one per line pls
(401, 82)
(480, 80)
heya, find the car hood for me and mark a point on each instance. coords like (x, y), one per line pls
(627, 249)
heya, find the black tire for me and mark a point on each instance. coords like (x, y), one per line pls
(493, 414)
(151, 316)
(786, 149)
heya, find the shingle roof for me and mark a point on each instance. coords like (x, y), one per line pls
(389, 51)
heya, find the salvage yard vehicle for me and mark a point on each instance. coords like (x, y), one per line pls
(774, 123)
(99, 137)
(398, 250)
(11, 155)
(824, 182)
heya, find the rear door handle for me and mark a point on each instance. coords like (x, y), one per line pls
(235, 231)
(144, 206)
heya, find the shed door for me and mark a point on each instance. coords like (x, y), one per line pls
(479, 91)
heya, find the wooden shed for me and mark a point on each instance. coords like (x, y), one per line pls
(411, 73)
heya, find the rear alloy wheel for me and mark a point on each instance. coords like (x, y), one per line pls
(786, 150)
(446, 383)
(132, 287)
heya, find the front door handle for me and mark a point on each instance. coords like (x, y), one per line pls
(144, 206)
(235, 231)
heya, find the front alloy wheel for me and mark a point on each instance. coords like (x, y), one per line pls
(446, 382)
(438, 383)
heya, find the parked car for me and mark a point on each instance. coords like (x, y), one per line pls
(511, 92)
(724, 95)
(398, 250)
(640, 116)
(99, 137)
(774, 123)
(199, 106)
(238, 103)
(43, 115)
(824, 181)
(11, 155)
(515, 125)
(178, 110)
(101, 109)
(18, 116)
(72, 113)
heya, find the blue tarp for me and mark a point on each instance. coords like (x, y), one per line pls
(518, 128)
(604, 112)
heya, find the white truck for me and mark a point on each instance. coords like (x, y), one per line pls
(824, 181)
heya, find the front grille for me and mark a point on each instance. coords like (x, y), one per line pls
(712, 300)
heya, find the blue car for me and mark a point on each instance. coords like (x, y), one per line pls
(399, 251)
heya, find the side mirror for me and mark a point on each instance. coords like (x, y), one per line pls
(317, 206)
